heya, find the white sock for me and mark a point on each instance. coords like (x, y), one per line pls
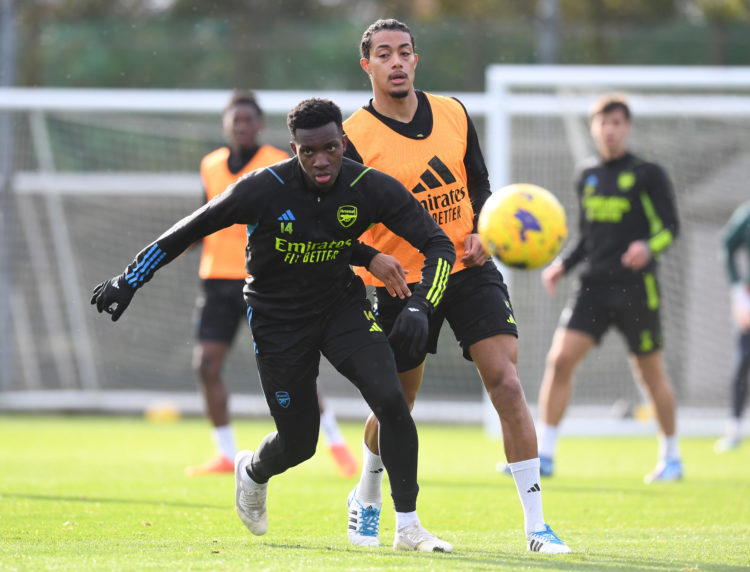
(330, 427)
(547, 438)
(526, 475)
(669, 449)
(248, 480)
(404, 519)
(224, 439)
(371, 479)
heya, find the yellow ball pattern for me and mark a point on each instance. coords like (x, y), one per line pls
(523, 225)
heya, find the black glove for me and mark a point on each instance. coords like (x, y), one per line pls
(410, 330)
(113, 296)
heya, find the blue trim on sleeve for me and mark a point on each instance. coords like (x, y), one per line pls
(146, 266)
(270, 170)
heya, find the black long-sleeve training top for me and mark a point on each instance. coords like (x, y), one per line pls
(621, 201)
(301, 239)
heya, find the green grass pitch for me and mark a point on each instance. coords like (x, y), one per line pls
(109, 493)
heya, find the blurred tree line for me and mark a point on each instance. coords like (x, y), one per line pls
(313, 44)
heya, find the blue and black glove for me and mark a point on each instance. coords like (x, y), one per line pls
(411, 328)
(113, 296)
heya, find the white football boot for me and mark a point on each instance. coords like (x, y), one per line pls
(250, 497)
(416, 538)
(546, 541)
(364, 521)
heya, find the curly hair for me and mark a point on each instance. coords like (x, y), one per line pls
(389, 24)
(312, 113)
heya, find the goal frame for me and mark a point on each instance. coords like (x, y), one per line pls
(497, 106)
(730, 85)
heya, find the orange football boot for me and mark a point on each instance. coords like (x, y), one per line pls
(215, 465)
(345, 461)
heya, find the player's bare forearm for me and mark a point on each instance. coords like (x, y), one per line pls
(475, 254)
(389, 271)
(551, 275)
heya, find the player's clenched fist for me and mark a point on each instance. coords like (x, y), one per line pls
(411, 328)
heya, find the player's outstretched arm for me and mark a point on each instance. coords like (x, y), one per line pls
(114, 295)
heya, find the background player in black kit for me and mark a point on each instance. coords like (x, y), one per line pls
(303, 217)
(627, 219)
(220, 306)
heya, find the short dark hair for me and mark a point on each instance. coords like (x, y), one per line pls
(243, 97)
(312, 113)
(389, 24)
(608, 103)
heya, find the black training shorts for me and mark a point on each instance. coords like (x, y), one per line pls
(476, 305)
(632, 307)
(288, 353)
(219, 310)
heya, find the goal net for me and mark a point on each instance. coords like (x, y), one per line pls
(93, 175)
(96, 175)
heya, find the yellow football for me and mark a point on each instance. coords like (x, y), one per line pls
(523, 225)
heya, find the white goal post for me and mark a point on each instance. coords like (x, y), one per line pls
(85, 161)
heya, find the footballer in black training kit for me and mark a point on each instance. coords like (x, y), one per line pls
(303, 218)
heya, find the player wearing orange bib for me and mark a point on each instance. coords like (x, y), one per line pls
(429, 143)
(221, 308)
(430, 165)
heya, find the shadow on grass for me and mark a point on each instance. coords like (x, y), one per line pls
(492, 559)
(82, 498)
